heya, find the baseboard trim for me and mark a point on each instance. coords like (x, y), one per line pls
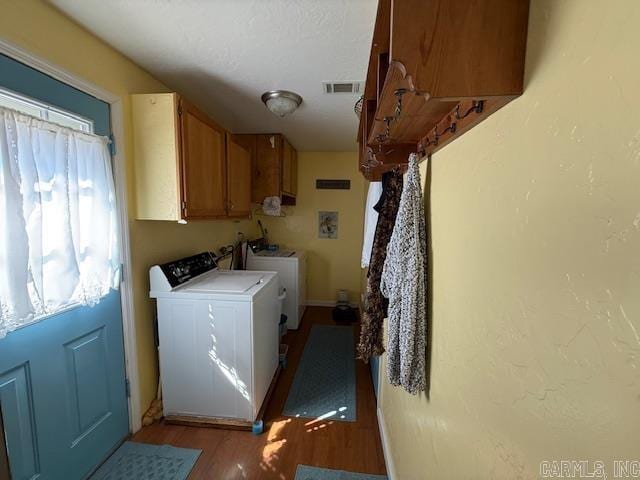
(326, 303)
(388, 460)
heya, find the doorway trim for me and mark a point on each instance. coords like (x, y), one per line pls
(126, 287)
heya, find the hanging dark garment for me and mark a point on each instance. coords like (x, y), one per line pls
(375, 304)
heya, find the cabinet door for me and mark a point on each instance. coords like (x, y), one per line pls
(238, 179)
(287, 163)
(294, 172)
(267, 168)
(202, 165)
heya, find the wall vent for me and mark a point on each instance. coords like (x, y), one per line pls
(322, 184)
(343, 87)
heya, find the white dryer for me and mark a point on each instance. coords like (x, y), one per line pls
(218, 333)
(291, 267)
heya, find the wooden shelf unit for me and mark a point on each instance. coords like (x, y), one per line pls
(436, 69)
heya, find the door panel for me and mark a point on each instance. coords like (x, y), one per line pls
(238, 179)
(267, 179)
(87, 382)
(203, 165)
(286, 166)
(95, 397)
(16, 397)
(4, 460)
(294, 172)
(62, 379)
(250, 143)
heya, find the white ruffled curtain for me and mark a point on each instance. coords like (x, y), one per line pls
(58, 219)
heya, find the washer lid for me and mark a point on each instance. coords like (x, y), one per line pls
(276, 253)
(231, 282)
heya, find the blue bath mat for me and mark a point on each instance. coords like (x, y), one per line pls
(142, 461)
(324, 386)
(304, 472)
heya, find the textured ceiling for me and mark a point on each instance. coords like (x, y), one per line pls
(223, 54)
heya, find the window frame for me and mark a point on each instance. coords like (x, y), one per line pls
(85, 124)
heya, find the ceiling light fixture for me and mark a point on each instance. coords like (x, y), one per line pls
(281, 102)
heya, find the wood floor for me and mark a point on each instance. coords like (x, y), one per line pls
(287, 442)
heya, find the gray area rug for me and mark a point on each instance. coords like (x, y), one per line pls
(143, 461)
(304, 472)
(324, 386)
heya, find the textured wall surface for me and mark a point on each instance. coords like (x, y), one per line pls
(332, 264)
(45, 32)
(536, 266)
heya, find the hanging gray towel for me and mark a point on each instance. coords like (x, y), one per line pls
(404, 283)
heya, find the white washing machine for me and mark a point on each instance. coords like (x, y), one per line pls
(291, 267)
(218, 333)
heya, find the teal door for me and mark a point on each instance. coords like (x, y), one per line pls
(62, 379)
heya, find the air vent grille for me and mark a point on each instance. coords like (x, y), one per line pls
(322, 184)
(343, 87)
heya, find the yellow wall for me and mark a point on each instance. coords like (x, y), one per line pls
(43, 31)
(332, 264)
(536, 266)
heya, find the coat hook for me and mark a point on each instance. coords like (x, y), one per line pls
(399, 93)
(477, 106)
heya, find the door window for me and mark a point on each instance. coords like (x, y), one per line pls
(41, 110)
(59, 239)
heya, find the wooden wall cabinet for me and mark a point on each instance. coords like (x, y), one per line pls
(187, 166)
(274, 167)
(436, 69)
(289, 169)
(203, 165)
(238, 178)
